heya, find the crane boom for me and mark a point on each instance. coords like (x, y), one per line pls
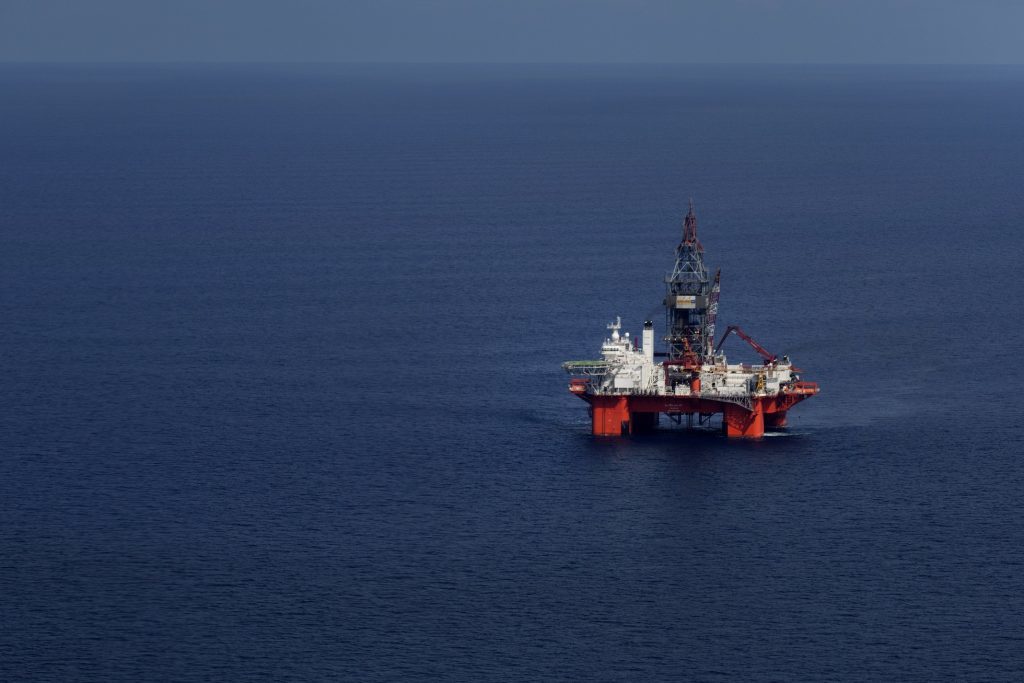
(763, 352)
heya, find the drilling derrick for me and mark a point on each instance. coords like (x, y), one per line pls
(627, 389)
(690, 307)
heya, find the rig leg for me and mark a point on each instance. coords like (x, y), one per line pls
(740, 422)
(610, 416)
(775, 420)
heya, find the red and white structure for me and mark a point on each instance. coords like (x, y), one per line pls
(633, 384)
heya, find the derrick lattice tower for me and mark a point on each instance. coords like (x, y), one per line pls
(691, 299)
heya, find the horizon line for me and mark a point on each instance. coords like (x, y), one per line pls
(298, 62)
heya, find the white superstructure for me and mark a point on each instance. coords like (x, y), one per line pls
(627, 368)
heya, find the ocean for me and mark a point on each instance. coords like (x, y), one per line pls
(282, 398)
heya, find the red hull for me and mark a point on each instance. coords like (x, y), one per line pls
(625, 414)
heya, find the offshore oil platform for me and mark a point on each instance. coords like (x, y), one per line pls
(691, 381)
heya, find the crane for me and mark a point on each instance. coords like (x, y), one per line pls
(768, 356)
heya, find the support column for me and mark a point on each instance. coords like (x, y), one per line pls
(610, 415)
(775, 420)
(737, 421)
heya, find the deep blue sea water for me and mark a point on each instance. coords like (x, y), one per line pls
(281, 398)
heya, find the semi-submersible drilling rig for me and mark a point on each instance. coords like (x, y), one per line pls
(632, 385)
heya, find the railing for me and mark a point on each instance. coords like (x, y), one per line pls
(587, 368)
(581, 385)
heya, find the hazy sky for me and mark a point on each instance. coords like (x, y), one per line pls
(866, 31)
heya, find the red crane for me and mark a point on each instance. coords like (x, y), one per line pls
(768, 356)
